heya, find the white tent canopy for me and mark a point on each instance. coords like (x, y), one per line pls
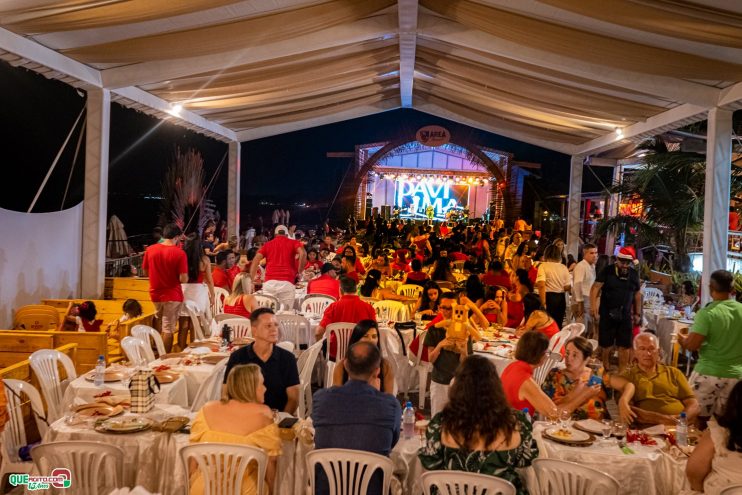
(572, 76)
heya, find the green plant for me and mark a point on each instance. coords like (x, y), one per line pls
(738, 286)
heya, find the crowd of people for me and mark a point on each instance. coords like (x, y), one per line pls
(491, 275)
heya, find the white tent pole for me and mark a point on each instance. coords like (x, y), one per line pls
(575, 201)
(233, 189)
(74, 160)
(54, 163)
(716, 199)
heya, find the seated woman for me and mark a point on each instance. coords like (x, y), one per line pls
(428, 304)
(521, 285)
(400, 266)
(371, 288)
(442, 270)
(494, 307)
(416, 276)
(521, 389)
(477, 431)
(381, 263)
(475, 289)
(688, 296)
(313, 261)
(366, 331)
(239, 418)
(570, 389)
(240, 302)
(716, 462)
(536, 318)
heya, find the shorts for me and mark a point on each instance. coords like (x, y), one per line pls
(168, 312)
(711, 392)
(612, 332)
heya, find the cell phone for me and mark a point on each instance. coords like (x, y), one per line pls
(288, 422)
(595, 380)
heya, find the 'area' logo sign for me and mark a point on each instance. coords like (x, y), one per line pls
(433, 136)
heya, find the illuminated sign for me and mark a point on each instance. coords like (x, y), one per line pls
(414, 197)
(433, 136)
(632, 208)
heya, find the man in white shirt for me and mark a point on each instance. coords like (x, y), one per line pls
(584, 276)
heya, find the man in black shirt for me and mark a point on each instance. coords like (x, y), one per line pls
(620, 308)
(280, 373)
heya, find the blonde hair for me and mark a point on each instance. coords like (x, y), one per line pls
(242, 383)
(242, 285)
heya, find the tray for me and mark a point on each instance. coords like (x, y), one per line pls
(98, 409)
(166, 376)
(123, 425)
(579, 438)
(109, 376)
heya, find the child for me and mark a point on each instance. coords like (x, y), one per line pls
(86, 321)
(132, 309)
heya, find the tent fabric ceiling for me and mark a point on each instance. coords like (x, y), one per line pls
(564, 72)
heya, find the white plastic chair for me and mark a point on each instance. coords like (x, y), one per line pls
(192, 310)
(557, 341)
(342, 331)
(653, 296)
(410, 290)
(14, 435)
(220, 295)
(267, 301)
(422, 368)
(575, 329)
(349, 471)
(287, 346)
(223, 466)
(306, 364)
(144, 333)
(96, 467)
(45, 365)
(137, 351)
(211, 388)
(557, 477)
(540, 373)
(391, 348)
(390, 310)
(316, 304)
(295, 329)
(732, 490)
(240, 327)
(227, 316)
(461, 482)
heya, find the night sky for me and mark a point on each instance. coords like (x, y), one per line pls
(38, 113)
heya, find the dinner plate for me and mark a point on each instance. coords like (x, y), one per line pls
(570, 436)
(124, 425)
(212, 359)
(589, 426)
(109, 376)
(173, 355)
(166, 376)
(98, 410)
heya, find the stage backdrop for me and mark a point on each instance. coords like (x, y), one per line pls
(39, 258)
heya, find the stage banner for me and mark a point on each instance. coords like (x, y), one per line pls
(413, 198)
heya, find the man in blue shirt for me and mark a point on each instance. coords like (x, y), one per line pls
(357, 415)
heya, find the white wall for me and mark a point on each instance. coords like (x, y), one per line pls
(39, 258)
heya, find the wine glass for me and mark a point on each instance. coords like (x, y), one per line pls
(606, 427)
(565, 419)
(553, 416)
(619, 430)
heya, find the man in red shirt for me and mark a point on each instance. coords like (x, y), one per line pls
(349, 308)
(349, 268)
(167, 267)
(496, 275)
(327, 283)
(281, 265)
(222, 272)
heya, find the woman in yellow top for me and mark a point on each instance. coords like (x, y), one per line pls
(239, 418)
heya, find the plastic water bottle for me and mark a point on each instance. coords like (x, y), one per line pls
(681, 431)
(100, 371)
(528, 414)
(408, 420)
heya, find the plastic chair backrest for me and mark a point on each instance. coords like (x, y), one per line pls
(653, 295)
(36, 317)
(144, 333)
(137, 350)
(45, 364)
(192, 310)
(410, 290)
(211, 388)
(557, 477)
(295, 329)
(287, 346)
(316, 304)
(575, 329)
(97, 467)
(444, 284)
(557, 341)
(390, 310)
(219, 296)
(14, 435)
(223, 466)
(462, 482)
(540, 373)
(267, 301)
(343, 331)
(306, 364)
(458, 265)
(240, 327)
(349, 471)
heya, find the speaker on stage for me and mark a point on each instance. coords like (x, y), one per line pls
(386, 212)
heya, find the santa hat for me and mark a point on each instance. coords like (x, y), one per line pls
(627, 253)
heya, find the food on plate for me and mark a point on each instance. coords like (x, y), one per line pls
(562, 433)
(162, 367)
(641, 437)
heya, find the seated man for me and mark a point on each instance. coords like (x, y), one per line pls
(651, 392)
(357, 415)
(222, 272)
(280, 372)
(327, 283)
(349, 308)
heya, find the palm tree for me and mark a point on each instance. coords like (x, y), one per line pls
(670, 185)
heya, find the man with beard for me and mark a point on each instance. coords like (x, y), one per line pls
(620, 308)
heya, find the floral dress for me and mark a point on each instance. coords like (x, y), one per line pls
(557, 385)
(501, 463)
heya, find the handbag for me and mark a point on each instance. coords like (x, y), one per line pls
(143, 387)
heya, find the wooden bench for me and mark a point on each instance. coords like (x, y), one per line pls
(128, 288)
(109, 311)
(17, 345)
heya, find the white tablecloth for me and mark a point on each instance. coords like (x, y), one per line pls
(81, 391)
(151, 458)
(649, 471)
(500, 362)
(193, 375)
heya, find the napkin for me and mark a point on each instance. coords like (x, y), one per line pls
(654, 430)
